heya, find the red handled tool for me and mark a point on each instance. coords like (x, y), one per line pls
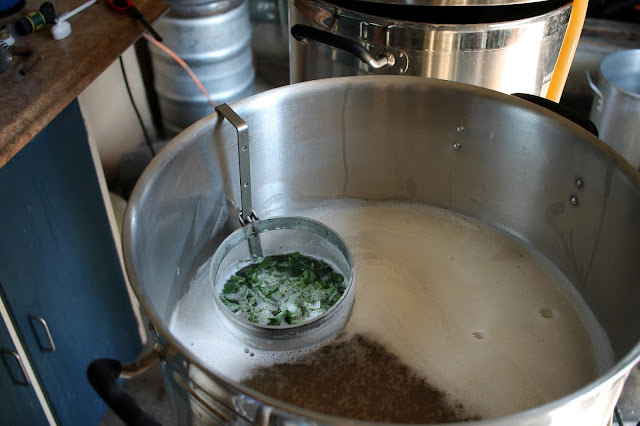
(126, 6)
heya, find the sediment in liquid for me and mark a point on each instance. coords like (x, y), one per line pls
(477, 314)
(357, 378)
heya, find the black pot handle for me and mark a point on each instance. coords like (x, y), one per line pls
(103, 375)
(300, 32)
(567, 113)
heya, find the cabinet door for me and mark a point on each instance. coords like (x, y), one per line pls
(19, 404)
(60, 269)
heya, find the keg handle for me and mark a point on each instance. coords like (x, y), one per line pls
(596, 90)
(300, 32)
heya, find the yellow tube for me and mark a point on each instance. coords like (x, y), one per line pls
(568, 50)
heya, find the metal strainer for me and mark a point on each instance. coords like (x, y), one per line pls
(257, 239)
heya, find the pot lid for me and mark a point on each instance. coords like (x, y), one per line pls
(454, 2)
(456, 12)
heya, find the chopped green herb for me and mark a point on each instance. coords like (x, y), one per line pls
(283, 290)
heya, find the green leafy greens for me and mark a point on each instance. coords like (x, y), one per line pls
(283, 290)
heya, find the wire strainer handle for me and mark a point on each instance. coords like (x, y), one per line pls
(246, 214)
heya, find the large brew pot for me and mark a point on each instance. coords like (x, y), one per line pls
(487, 155)
(508, 48)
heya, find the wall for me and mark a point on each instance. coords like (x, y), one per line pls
(113, 130)
(110, 118)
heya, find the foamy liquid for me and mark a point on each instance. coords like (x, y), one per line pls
(476, 312)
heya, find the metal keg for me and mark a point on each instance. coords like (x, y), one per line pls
(214, 39)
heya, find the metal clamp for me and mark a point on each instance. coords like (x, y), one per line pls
(253, 217)
(51, 346)
(24, 382)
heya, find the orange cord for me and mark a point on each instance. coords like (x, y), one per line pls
(568, 50)
(182, 63)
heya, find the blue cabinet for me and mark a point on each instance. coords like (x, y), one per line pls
(17, 389)
(60, 272)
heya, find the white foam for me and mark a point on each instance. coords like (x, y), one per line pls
(479, 314)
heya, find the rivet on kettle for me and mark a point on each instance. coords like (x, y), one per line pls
(579, 182)
(573, 200)
(460, 129)
(456, 146)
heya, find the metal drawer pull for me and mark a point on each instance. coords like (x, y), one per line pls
(24, 382)
(51, 347)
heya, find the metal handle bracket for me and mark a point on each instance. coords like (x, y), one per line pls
(247, 215)
(596, 90)
(301, 32)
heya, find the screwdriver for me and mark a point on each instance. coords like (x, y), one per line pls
(126, 6)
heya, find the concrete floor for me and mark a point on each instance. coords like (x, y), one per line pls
(148, 390)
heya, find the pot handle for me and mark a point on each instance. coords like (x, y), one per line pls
(596, 90)
(300, 32)
(562, 110)
(103, 374)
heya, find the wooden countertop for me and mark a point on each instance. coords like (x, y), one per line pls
(65, 67)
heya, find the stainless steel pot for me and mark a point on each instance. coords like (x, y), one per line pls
(497, 47)
(490, 156)
(616, 105)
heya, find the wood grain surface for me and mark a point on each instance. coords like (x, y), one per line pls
(64, 68)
